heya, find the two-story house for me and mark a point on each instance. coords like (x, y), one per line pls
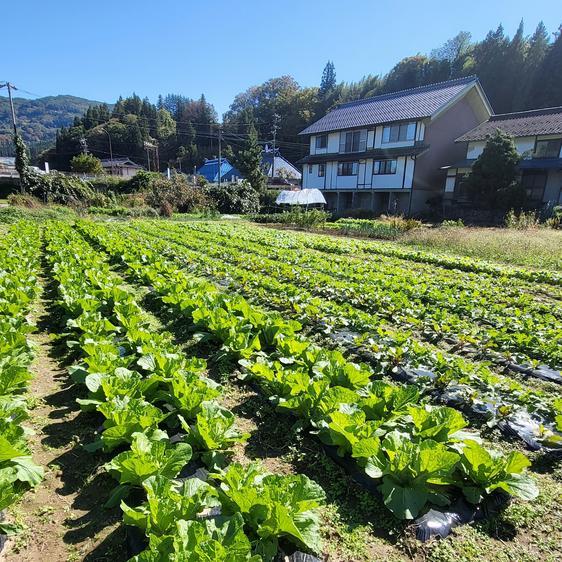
(385, 153)
(538, 137)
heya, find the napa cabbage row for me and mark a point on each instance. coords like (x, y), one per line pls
(147, 390)
(420, 454)
(466, 384)
(19, 266)
(540, 332)
(419, 281)
(326, 244)
(516, 327)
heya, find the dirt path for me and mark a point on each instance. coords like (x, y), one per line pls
(63, 518)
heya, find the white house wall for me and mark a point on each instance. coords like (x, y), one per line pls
(523, 145)
(363, 180)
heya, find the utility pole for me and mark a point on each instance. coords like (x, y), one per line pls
(10, 86)
(220, 155)
(147, 145)
(157, 159)
(110, 149)
(275, 127)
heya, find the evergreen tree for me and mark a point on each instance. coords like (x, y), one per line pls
(489, 58)
(548, 83)
(514, 66)
(492, 182)
(538, 47)
(249, 161)
(118, 108)
(328, 81)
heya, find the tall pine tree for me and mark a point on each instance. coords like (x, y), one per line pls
(548, 83)
(249, 161)
(538, 47)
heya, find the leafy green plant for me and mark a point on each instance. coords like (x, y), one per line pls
(213, 433)
(273, 506)
(150, 454)
(486, 471)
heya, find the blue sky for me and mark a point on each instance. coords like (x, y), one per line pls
(104, 49)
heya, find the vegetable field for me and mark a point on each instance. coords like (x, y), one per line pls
(233, 392)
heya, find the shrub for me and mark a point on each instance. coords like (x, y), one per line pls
(166, 209)
(111, 183)
(267, 200)
(235, 197)
(387, 228)
(521, 221)
(59, 188)
(86, 164)
(21, 200)
(175, 195)
(312, 218)
(452, 223)
(141, 181)
(119, 211)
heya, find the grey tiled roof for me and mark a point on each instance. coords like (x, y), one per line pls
(415, 103)
(107, 162)
(523, 124)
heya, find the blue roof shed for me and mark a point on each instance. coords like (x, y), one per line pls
(209, 170)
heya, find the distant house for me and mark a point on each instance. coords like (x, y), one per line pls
(8, 168)
(7, 163)
(385, 153)
(123, 167)
(210, 170)
(284, 171)
(538, 138)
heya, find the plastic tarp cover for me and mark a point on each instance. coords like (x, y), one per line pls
(301, 197)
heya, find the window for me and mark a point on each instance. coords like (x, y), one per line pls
(399, 133)
(534, 182)
(353, 141)
(347, 168)
(382, 167)
(321, 170)
(321, 141)
(310, 168)
(548, 148)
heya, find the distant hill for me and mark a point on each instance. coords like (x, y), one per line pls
(39, 119)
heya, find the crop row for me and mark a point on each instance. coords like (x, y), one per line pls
(166, 430)
(418, 454)
(19, 267)
(343, 250)
(513, 327)
(340, 246)
(460, 382)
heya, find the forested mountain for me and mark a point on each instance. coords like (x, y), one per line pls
(518, 73)
(38, 119)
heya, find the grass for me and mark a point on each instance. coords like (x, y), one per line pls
(539, 248)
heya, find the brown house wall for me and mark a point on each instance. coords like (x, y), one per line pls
(440, 134)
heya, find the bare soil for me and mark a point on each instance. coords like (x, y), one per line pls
(63, 518)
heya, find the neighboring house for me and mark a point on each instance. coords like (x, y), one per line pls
(538, 137)
(385, 153)
(284, 171)
(210, 171)
(123, 167)
(8, 169)
(7, 163)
